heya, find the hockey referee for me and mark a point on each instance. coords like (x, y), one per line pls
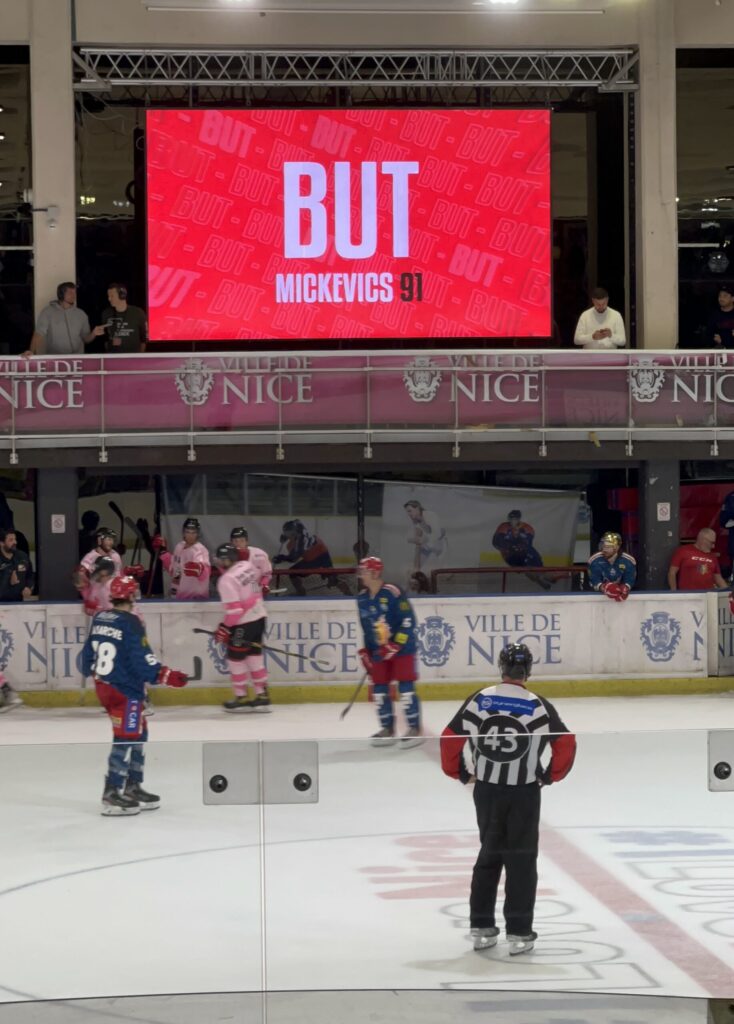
(496, 740)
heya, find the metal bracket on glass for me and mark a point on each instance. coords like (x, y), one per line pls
(261, 773)
(721, 760)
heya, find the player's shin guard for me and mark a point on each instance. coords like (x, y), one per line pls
(137, 763)
(118, 765)
(410, 704)
(238, 677)
(258, 673)
(383, 701)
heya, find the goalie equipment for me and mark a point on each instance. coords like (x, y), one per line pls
(372, 564)
(226, 553)
(101, 565)
(123, 588)
(516, 661)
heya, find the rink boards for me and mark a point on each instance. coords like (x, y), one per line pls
(574, 637)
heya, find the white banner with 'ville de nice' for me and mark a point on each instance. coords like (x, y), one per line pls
(459, 639)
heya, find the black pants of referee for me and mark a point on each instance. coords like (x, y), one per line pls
(508, 819)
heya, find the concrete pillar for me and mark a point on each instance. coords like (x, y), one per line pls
(52, 132)
(659, 485)
(657, 216)
(57, 492)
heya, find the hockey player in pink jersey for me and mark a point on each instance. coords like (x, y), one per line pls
(242, 630)
(93, 583)
(105, 546)
(188, 566)
(239, 539)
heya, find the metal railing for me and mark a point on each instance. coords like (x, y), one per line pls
(458, 396)
(548, 578)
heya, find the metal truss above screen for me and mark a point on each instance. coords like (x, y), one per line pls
(608, 70)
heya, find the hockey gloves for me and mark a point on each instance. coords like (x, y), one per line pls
(365, 658)
(171, 677)
(158, 543)
(223, 634)
(193, 569)
(137, 571)
(615, 591)
(388, 651)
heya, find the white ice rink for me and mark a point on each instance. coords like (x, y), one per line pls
(366, 890)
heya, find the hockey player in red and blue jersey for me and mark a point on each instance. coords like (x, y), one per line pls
(388, 655)
(118, 656)
(612, 572)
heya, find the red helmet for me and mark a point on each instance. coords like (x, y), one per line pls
(372, 564)
(123, 588)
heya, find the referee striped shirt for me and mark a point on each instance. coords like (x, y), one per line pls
(499, 735)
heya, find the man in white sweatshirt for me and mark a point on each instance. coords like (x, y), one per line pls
(600, 326)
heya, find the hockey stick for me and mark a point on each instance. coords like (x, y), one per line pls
(118, 512)
(348, 708)
(275, 650)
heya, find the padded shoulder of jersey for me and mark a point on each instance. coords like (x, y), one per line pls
(395, 591)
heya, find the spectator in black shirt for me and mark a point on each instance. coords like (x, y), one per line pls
(720, 330)
(127, 328)
(16, 574)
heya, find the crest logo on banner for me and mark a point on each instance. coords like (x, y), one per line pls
(436, 639)
(218, 655)
(646, 381)
(660, 635)
(7, 646)
(422, 379)
(194, 382)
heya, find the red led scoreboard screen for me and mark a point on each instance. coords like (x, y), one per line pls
(316, 224)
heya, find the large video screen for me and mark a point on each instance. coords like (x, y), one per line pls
(308, 225)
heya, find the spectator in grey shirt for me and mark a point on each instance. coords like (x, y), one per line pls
(62, 328)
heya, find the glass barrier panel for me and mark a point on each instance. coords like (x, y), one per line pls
(367, 891)
(166, 901)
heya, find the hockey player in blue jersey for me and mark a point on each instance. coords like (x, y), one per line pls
(117, 654)
(612, 572)
(388, 655)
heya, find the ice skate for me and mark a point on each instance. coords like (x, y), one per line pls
(412, 738)
(384, 738)
(521, 943)
(237, 704)
(9, 699)
(261, 703)
(115, 803)
(148, 801)
(148, 708)
(484, 938)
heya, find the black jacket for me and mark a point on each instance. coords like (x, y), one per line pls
(20, 564)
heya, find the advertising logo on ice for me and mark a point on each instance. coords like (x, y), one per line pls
(660, 635)
(436, 639)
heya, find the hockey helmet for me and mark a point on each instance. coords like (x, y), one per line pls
(515, 661)
(514, 513)
(103, 564)
(239, 533)
(123, 588)
(611, 540)
(292, 526)
(226, 553)
(105, 533)
(372, 564)
(191, 524)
